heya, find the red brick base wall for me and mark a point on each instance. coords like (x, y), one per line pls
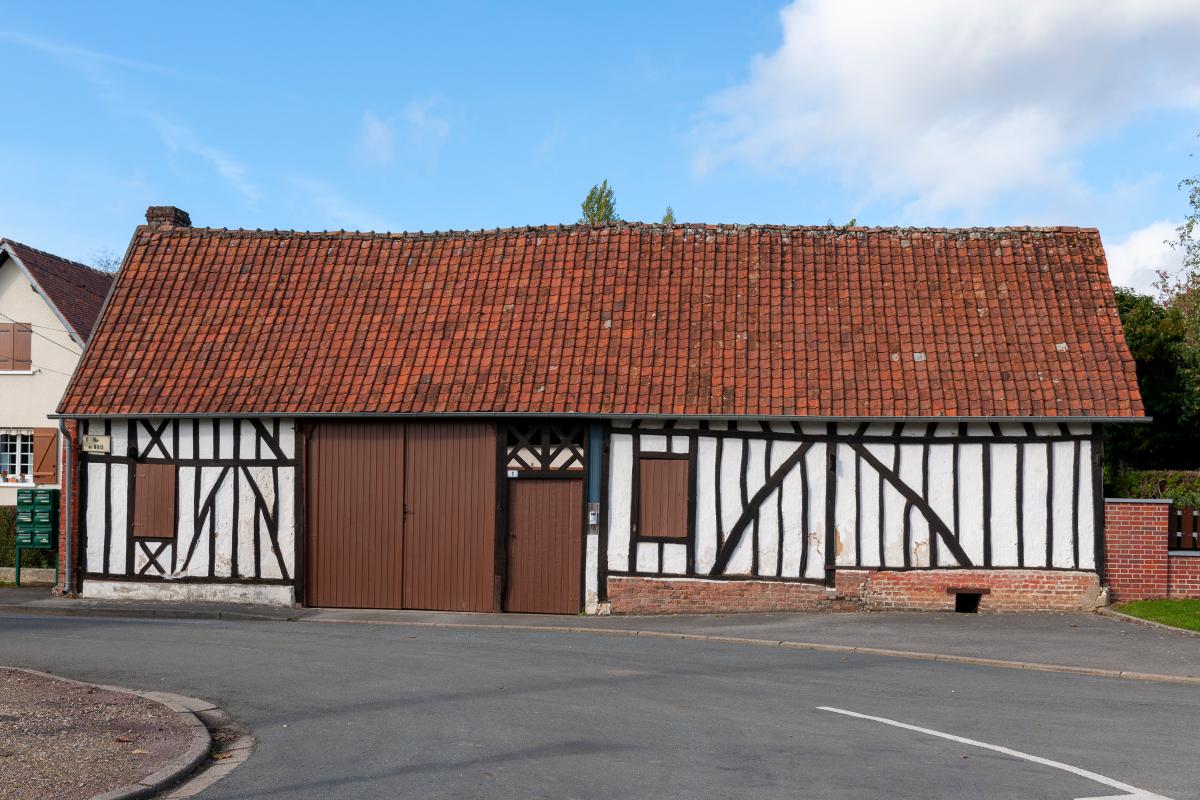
(1135, 549)
(859, 589)
(1183, 576)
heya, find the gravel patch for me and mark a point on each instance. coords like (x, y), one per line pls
(67, 741)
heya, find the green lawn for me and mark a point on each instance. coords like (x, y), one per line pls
(1176, 613)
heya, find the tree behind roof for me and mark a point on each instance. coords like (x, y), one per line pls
(599, 206)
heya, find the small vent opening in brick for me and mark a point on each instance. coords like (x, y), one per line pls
(967, 602)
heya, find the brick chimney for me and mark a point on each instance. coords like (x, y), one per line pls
(167, 217)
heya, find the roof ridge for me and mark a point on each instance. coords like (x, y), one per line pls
(55, 256)
(620, 226)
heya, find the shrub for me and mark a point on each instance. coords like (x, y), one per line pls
(1181, 486)
(8, 544)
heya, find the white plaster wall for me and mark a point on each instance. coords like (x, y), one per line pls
(1004, 505)
(27, 399)
(221, 520)
(877, 523)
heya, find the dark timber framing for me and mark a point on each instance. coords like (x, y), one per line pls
(945, 535)
(160, 443)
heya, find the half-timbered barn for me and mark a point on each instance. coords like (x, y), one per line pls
(627, 417)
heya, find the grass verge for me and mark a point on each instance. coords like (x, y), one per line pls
(1176, 613)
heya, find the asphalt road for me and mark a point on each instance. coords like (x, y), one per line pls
(368, 711)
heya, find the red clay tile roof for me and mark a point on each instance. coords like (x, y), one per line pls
(627, 319)
(77, 291)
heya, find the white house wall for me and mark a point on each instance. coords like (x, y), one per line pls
(235, 502)
(908, 496)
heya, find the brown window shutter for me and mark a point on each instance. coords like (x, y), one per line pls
(154, 500)
(22, 345)
(663, 497)
(6, 346)
(45, 455)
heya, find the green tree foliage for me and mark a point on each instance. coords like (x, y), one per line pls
(1157, 337)
(669, 216)
(599, 207)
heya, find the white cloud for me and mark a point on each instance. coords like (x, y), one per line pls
(420, 128)
(1136, 260)
(334, 207)
(950, 105)
(179, 138)
(376, 140)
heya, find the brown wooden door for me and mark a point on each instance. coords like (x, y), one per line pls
(545, 545)
(450, 529)
(354, 486)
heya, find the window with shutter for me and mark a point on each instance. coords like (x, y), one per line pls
(45, 455)
(663, 497)
(16, 347)
(154, 501)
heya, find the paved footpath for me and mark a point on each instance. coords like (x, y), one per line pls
(1088, 641)
(400, 710)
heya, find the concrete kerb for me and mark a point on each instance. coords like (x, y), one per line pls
(247, 616)
(1145, 623)
(794, 645)
(201, 717)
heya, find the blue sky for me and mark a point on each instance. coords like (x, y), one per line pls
(430, 116)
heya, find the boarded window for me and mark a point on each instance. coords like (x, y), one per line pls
(45, 455)
(154, 501)
(663, 497)
(16, 340)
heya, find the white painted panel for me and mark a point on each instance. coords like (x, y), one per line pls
(768, 533)
(674, 559)
(979, 429)
(941, 493)
(706, 509)
(246, 513)
(741, 562)
(679, 444)
(1087, 522)
(911, 464)
(119, 438)
(249, 441)
(647, 557)
(287, 522)
(869, 509)
(845, 505)
(620, 477)
(205, 441)
(186, 499)
(970, 501)
(653, 444)
(97, 495)
(793, 516)
(814, 429)
(1064, 504)
(731, 483)
(1004, 505)
(223, 519)
(946, 429)
(119, 491)
(226, 444)
(1034, 505)
(187, 448)
(816, 514)
(894, 504)
(748, 426)
(287, 437)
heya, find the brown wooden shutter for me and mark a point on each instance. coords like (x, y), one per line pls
(22, 345)
(45, 455)
(154, 501)
(6, 346)
(663, 497)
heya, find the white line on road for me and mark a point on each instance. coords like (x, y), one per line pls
(1134, 793)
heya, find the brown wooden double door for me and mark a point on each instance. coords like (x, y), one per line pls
(401, 515)
(545, 545)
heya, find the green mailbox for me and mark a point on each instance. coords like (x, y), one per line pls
(37, 523)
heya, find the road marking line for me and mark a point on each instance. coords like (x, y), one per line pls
(1134, 793)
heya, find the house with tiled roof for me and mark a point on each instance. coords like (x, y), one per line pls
(48, 307)
(625, 417)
